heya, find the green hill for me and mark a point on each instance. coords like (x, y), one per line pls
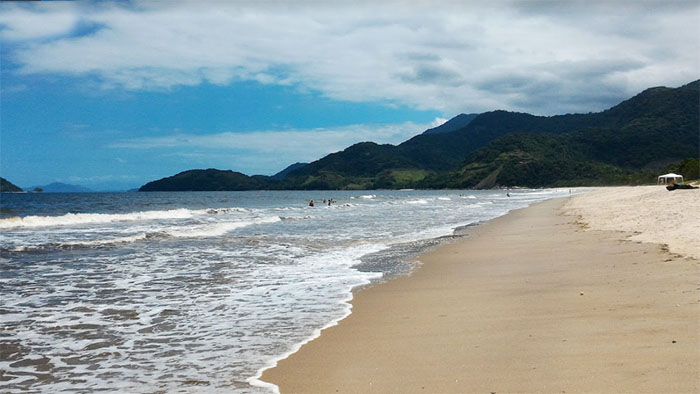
(205, 180)
(622, 145)
(8, 187)
(283, 174)
(656, 127)
(356, 167)
(532, 160)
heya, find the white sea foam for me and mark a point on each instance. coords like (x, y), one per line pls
(71, 219)
(218, 229)
(76, 244)
(193, 231)
(348, 258)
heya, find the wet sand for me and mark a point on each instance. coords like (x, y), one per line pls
(528, 303)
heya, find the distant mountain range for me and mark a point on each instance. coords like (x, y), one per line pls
(55, 187)
(626, 144)
(58, 187)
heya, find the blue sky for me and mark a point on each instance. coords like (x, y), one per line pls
(111, 95)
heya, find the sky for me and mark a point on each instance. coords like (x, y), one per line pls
(111, 95)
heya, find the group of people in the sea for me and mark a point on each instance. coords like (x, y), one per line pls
(328, 201)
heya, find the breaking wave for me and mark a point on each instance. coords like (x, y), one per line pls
(71, 219)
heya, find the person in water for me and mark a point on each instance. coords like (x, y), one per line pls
(311, 203)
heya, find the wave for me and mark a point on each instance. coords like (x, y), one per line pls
(69, 245)
(71, 219)
(212, 230)
(215, 211)
(221, 228)
(294, 218)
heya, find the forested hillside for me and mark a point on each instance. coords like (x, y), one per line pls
(625, 144)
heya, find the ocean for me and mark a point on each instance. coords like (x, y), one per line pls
(200, 291)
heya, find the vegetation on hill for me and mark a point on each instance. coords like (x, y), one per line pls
(626, 144)
(283, 174)
(531, 160)
(8, 187)
(205, 180)
(689, 168)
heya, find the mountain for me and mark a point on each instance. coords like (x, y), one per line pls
(58, 187)
(652, 129)
(205, 180)
(368, 165)
(283, 174)
(453, 124)
(8, 187)
(532, 160)
(624, 144)
(353, 168)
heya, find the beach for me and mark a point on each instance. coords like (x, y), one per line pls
(119, 282)
(594, 293)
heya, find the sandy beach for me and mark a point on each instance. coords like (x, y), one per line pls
(543, 300)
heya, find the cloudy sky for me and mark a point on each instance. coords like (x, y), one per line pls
(111, 95)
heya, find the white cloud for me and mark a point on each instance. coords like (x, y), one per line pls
(438, 122)
(450, 57)
(270, 151)
(31, 23)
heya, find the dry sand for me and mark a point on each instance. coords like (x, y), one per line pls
(651, 213)
(527, 303)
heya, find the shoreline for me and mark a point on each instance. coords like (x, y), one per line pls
(394, 339)
(257, 379)
(457, 234)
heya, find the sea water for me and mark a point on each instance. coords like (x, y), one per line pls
(200, 291)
